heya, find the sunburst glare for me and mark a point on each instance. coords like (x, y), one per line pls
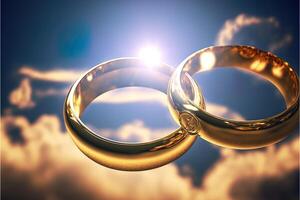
(151, 55)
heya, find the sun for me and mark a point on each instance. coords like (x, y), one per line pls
(151, 55)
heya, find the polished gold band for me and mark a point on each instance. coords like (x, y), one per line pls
(230, 133)
(186, 104)
(124, 72)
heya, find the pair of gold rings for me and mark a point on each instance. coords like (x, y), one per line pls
(186, 104)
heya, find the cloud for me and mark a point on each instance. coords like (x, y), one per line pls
(232, 27)
(223, 111)
(133, 95)
(52, 168)
(265, 33)
(135, 132)
(47, 165)
(144, 95)
(240, 175)
(287, 39)
(136, 95)
(122, 96)
(262, 188)
(60, 75)
(50, 92)
(22, 95)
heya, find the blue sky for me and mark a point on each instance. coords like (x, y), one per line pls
(72, 36)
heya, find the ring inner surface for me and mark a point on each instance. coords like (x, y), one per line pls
(251, 60)
(120, 74)
(101, 115)
(87, 91)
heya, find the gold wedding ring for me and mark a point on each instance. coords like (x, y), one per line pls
(230, 133)
(125, 72)
(186, 105)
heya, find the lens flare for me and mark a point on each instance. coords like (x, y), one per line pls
(151, 55)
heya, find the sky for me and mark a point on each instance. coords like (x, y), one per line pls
(47, 45)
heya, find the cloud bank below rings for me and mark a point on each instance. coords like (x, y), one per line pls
(47, 165)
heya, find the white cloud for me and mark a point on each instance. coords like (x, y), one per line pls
(254, 166)
(133, 95)
(48, 159)
(232, 27)
(287, 39)
(59, 75)
(47, 165)
(136, 131)
(50, 92)
(268, 34)
(22, 95)
(119, 96)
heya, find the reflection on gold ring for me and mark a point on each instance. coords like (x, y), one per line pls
(239, 134)
(119, 73)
